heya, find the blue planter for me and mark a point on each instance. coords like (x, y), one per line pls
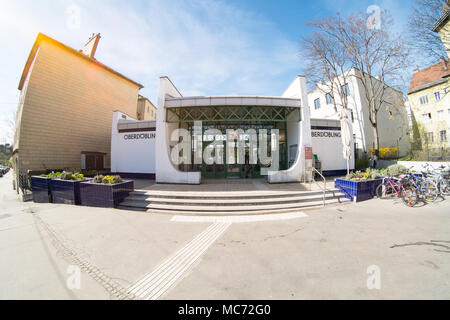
(40, 187)
(65, 191)
(104, 195)
(358, 190)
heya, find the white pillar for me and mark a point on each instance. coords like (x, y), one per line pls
(165, 171)
(301, 132)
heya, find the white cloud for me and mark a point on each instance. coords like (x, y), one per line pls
(206, 47)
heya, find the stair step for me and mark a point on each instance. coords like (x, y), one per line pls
(132, 208)
(229, 213)
(142, 194)
(233, 201)
(218, 208)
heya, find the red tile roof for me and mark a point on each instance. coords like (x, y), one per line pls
(428, 76)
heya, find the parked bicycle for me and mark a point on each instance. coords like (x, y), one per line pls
(398, 187)
(426, 187)
(441, 176)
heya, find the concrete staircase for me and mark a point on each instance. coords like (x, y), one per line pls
(228, 203)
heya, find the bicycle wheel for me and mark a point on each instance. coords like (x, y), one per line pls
(444, 188)
(409, 194)
(385, 191)
(431, 191)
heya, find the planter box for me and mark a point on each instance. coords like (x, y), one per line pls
(65, 191)
(105, 195)
(358, 190)
(41, 189)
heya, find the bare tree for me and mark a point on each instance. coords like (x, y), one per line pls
(377, 56)
(425, 42)
(327, 62)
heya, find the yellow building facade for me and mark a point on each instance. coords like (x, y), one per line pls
(66, 106)
(145, 109)
(431, 109)
(429, 94)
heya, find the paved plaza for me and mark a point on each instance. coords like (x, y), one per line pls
(325, 253)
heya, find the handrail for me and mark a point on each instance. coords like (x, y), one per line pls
(324, 182)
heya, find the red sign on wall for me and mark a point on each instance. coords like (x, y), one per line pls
(308, 153)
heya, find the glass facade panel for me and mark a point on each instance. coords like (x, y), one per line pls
(231, 168)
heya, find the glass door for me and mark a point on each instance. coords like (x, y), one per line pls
(233, 170)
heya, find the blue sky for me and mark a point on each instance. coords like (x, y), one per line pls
(207, 47)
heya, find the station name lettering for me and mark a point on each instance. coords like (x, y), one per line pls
(138, 136)
(326, 134)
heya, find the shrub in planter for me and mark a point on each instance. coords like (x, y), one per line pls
(396, 170)
(52, 175)
(105, 191)
(358, 190)
(360, 186)
(89, 173)
(65, 188)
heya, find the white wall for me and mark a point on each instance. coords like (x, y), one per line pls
(165, 170)
(329, 149)
(327, 111)
(298, 133)
(130, 154)
(392, 121)
(136, 155)
(389, 129)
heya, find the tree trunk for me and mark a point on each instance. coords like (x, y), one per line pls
(376, 138)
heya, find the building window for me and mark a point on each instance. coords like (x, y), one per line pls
(351, 114)
(345, 89)
(426, 117)
(429, 137)
(423, 100)
(437, 96)
(317, 103)
(440, 115)
(443, 135)
(329, 98)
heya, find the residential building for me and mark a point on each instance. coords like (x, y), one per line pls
(67, 100)
(429, 94)
(442, 27)
(145, 109)
(392, 117)
(429, 97)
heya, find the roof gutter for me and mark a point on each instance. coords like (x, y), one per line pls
(42, 37)
(428, 85)
(440, 23)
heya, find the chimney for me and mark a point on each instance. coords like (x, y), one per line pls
(91, 46)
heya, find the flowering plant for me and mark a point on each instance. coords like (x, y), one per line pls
(107, 179)
(369, 174)
(64, 175)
